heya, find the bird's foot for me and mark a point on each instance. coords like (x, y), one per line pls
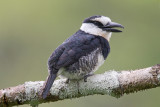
(67, 81)
(85, 77)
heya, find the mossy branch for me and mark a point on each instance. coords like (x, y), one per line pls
(111, 83)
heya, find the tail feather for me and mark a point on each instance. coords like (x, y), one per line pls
(47, 85)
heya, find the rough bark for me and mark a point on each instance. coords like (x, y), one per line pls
(111, 83)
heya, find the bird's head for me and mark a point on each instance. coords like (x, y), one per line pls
(100, 26)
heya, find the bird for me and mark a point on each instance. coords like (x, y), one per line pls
(79, 56)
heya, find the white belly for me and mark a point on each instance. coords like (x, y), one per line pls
(80, 73)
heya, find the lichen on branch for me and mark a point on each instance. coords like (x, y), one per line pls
(110, 83)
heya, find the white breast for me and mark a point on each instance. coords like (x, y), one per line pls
(86, 65)
(100, 62)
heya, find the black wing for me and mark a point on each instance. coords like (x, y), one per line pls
(53, 59)
(78, 45)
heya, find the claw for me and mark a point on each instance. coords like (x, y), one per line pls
(85, 77)
(67, 81)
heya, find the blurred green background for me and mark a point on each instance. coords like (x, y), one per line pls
(30, 30)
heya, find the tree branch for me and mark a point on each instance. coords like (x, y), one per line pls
(111, 83)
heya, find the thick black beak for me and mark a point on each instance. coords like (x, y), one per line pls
(110, 27)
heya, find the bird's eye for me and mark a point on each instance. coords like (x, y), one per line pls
(97, 23)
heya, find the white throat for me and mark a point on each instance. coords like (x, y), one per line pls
(94, 30)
